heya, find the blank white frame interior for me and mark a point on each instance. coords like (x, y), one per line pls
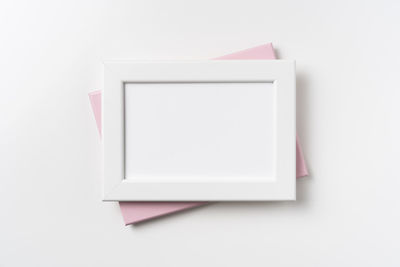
(199, 130)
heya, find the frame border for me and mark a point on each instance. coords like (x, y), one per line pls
(117, 73)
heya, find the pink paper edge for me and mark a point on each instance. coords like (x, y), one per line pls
(156, 207)
(95, 101)
(135, 212)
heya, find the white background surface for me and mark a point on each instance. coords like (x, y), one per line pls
(347, 213)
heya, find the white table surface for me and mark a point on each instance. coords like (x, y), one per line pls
(348, 64)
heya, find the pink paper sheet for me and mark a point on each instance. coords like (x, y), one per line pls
(134, 212)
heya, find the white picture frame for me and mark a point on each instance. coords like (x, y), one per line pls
(135, 112)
